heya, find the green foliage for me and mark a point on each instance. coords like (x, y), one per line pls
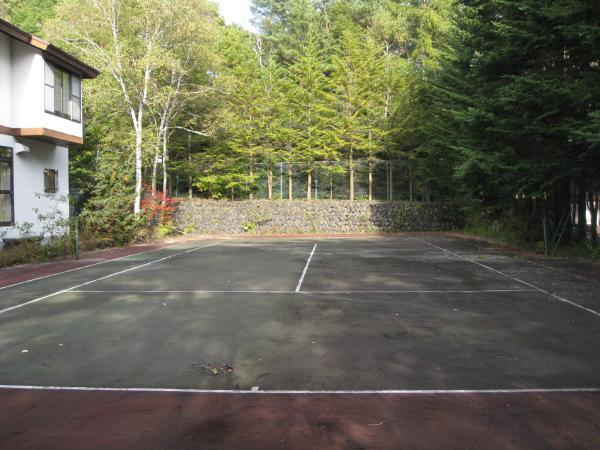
(189, 229)
(166, 229)
(509, 231)
(29, 15)
(490, 103)
(108, 214)
(32, 251)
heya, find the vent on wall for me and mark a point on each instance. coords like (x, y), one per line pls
(20, 148)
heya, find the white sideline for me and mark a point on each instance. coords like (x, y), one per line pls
(485, 291)
(305, 392)
(101, 278)
(539, 289)
(84, 267)
(299, 285)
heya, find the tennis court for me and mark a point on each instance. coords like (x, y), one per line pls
(388, 330)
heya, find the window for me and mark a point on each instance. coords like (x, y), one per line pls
(62, 92)
(50, 181)
(7, 209)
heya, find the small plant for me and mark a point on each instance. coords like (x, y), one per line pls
(166, 229)
(189, 229)
(254, 221)
(249, 227)
(160, 208)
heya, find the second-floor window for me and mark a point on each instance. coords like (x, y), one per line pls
(62, 92)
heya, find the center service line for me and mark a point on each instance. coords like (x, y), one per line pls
(299, 285)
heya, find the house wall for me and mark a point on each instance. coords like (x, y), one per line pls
(5, 80)
(22, 106)
(22, 90)
(27, 87)
(29, 193)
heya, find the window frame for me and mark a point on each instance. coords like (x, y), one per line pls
(10, 160)
(53, 190)
(69, 84)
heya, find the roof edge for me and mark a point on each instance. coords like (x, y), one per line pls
(59, 55)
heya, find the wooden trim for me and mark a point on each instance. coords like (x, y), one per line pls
(43, 134)
(36, 42)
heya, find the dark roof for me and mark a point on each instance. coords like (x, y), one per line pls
(53, 53)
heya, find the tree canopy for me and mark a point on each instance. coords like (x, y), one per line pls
(490, 104)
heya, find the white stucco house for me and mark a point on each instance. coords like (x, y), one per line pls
(40, 115)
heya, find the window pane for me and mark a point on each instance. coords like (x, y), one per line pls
(5, 208)
(58, 98)
(49, 96)
(50, 181)
(48, 74)
(66, 94)
(75, 86)
(76, 105)
(5, 152)
(5, 168)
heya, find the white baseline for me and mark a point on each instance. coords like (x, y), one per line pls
(307, 392)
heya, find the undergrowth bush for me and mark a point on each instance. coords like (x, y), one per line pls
(29, 251)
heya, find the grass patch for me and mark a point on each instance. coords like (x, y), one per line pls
(498, 231)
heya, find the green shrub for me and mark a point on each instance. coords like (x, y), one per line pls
(189, 229)
(505, 230)
(249, 227)
(166, 229)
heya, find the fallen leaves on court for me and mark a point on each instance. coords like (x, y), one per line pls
(208, 368)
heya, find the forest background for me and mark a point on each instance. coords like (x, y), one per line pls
(491, 105)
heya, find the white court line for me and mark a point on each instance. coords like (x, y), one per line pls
(306, 392)
(299, 285)
(486, 291)
(101, 278)
(180, 292)
(539, 289)
(85, 267)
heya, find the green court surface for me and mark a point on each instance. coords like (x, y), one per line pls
(373, 314)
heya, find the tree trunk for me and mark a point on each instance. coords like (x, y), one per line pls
(190, 187)
(581, 209)
(331, 187)
(251, 182)
(410, 182)
(165, 158)
(290, 187)
(309, 186)
(154, 174)
(270, 181)
(137, 205)
(593, 198)
(370, 180)
(351, 169)
(391, 183)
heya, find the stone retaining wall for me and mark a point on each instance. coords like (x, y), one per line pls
(301, 217)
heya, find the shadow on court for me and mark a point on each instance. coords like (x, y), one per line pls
(406, 313)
